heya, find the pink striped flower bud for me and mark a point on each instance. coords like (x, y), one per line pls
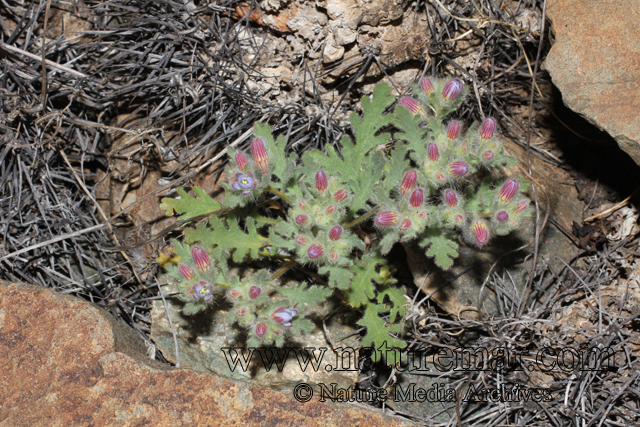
(335, 233)
(413, 105)
(405, 224)
(502, 216)
(241, 312)
(261, 329)
(331, 209)
(433, 152)
(340, 195)
(480, 233)
(321, 181)
(522, 205)
(234, 293)
(459, 168)
(488, 155)
(463, 148)
(440, 177)
(316, 250)
(302, 219)
(200, 258)
(186, 272)
(417, 198)
(451, 198)
(254, 292)
(241, 160)
(302, 240)
(508, 190)
(260, 155)
(302, 204)
(487, 129)
(333, 257)
(453, 130)
(408, 182)
(458, 219)
(427, 85)
(387, 218)
(423, 214)
(452, 89)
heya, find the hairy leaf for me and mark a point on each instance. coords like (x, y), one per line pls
(440, 246)
(188, 205)
(302, 294)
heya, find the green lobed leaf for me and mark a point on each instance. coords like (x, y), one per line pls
(188, 205)
(225, 234)
(396, 296)
(362, 288)
(339, 277)
(301, 294)
(379, 331)
(441, 246)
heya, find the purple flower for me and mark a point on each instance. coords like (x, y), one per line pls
(202, 290)
(244, 182)
(487, 129)
(284, 316)
(459, 168)
(502, 216)
(452, 90)
(427, 85)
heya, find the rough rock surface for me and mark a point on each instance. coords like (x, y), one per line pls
(66, 362)
(595, 62)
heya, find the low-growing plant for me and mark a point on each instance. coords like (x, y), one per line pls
(415, 188)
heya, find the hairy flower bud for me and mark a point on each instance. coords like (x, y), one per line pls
(452, 89)
(387, 218)
(241, 312)
(302, 219)
(261, 329)
(302, 204)
(408, 182)
(234, 293)
(458, 219)
(502, 216)
(331, 209)
(522, 205)
(451, 198)
(200, 258)
(417, 198)
(302, 240)
(440, 177)
(433, 152)
(321, 181)
(508, 190)
(480, 233)
(241, 160)
(459, 168)
(488, 155)
(427, 85)
(186, 272)
(260, 155)
(316, 250)
(333, 256)
(487, 129)
(340, 195)
(405, 224)
(453, 130)
(254, 292)
(335, 233)
(413, 105)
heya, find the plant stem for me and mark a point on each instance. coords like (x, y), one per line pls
(279, 194)
(363, 217)
(284, 268)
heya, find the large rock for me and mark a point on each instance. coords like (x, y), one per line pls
(66, 362)
(595, 62)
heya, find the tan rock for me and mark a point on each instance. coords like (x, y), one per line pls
(595, 62)
(65, 362)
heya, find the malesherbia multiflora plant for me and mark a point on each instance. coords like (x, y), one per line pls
(417, 188)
